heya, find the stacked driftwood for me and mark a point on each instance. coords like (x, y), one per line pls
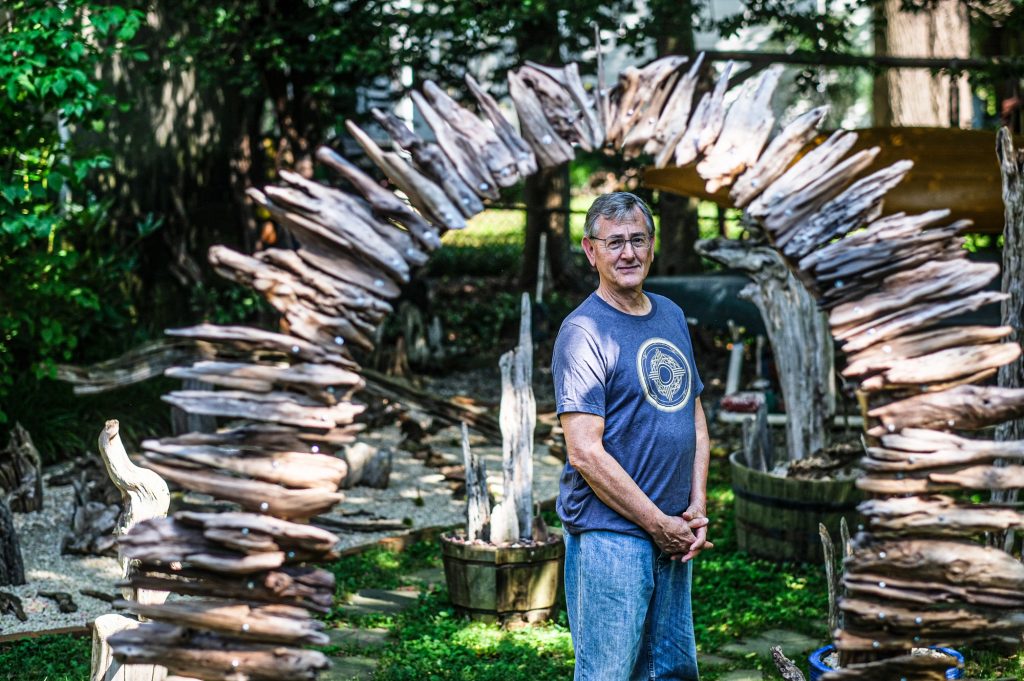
(914, 576)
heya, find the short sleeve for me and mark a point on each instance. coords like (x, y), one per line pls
(579, 372)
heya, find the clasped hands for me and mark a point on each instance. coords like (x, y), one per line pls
(683, 537)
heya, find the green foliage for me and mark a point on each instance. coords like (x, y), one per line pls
(61, 279)
(46, 658)
(434, 644)
(381, 568)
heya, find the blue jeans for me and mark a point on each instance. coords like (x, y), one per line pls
(629, 609)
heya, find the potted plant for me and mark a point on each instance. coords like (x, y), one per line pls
(505, 566)
(777, 508)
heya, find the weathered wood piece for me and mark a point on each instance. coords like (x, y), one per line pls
(589, 126)
(470, 166)
(950, 478)
(320, 323)
(12, 567)
(786, 217)
(335, 205)
(11, 604)
(799, 338)
(963, 408)
(351, 224)
(366, 303)
(484, 140)
(757, 440)
(305, 587)
(634, 92)
(478, 505)
(144, 495)
(283, 407)
(248, 340)
(518, 420)
(383, 202)
(832, 582)
(952, 624)
(787, 668)
(780, 153)
(930, 281)
(888, 354)
(937, 516)
(252, 495)
(368, 466)
(273, 623)
(214, 657)
(320, 381)
(426, 196)
(745, 131)
(914, 317)
(21, 478)
(806, 170)
(148, 360)
(706, 123)
(892, 230)
(548, 146)
(270, 437)
(675, 115)
(909, 667)
(653, 93)
(64, 601)
(858, 204)
(206, 545)
(557, 103)
(290, 469)
(432, 162)
(945, 365)
(526, 161)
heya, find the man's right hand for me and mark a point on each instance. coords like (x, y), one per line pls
(675, 535)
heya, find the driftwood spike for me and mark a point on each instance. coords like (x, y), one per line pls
(383, 202)
(526, 162)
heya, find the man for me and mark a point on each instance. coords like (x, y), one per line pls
(632, 495)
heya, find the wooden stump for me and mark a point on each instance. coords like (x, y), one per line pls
(20, 472)
(368, 466)
(12, 569)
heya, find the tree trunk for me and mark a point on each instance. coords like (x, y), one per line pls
(672, 22)
(12, 569)
(800, 339)
(679, 232)
(905, 97)
(1011, 161)
(546, 194)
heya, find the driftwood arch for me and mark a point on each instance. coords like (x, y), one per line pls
(916, 575)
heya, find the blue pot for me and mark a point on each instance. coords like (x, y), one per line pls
(818, 667)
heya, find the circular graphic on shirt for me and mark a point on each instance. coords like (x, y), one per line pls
(665, 374)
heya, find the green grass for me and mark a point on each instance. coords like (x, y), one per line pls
(59, 657)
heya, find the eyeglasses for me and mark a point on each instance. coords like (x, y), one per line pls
(617, 243)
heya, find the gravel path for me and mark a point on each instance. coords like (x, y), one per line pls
(416, 492)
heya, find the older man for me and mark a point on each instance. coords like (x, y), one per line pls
(632, 495)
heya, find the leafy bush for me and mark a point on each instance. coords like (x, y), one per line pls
(62, 273)
(58, 657)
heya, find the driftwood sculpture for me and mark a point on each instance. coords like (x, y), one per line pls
(914, 576)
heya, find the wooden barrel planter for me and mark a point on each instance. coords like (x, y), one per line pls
(506, 584)
(777, 518)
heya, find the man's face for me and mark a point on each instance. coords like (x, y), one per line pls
(626, 268)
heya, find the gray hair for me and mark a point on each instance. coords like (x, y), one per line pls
(617, 207)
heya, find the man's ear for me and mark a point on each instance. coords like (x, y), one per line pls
(588, 248)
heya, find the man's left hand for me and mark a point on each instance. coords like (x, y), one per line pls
(700, 531)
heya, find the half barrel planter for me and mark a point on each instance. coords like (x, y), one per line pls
(777, 518)
(506, 584)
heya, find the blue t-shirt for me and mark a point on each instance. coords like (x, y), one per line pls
(636, 372)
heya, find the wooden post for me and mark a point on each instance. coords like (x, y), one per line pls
(1011, 375)
(478, 510)
(21, 472)
(145, 496)
(518, 419)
